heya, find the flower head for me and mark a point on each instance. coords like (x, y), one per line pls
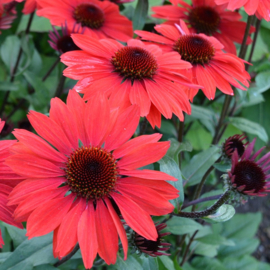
(8, 179)
(211, 67)
(6, 18)
(80, 168)
(64, 43)
(133, 74)
(100, 19)
(234, 142)
(205, 17)
(150, 247)
(248, 176)
(261, 8)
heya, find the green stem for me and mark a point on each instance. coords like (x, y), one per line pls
(188, 246)
(16, 64)
(51, 69)
(60, 86)
(66, 258)
(180, 139)
(223, 199)
(201, 200)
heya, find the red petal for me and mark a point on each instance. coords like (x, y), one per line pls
(131, 211)
(87, 236)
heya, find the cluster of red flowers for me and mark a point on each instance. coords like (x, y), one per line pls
(79, 176)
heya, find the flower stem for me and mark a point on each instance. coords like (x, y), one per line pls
(258, 25)
(188, 246)
(180, 139)
(143, 126)
(223, 199)
(76, 248)
(16, 64)
(60, 86)
(51, 69)
(201, 200)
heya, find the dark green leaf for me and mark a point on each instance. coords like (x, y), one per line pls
(249, 127)
(180, 226)
(169, 166)
(129, 263)
(200, 263)
(29, 253)
(167, 262)
(149, 263)
(199, 164)
(224, 213)
(140, 14)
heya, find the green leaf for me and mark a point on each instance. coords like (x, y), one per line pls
(262, 82)
(129, 263)
(167, 262)
(242, 247)
(180, 226)
(205, 250)
(242, 226)
(149, 263)
(9, 86)
(140, 14)
(4, 256)
(235, 263)
(39, 24)
(249, 127)
(29, 253)
(41, 98)
(169, 166)
(223, 167)
(177, 147)
(9, 51)
(215, 239)
(207, 264)
(199, 164)
(167, 127)
(224, 213)
(17, 235)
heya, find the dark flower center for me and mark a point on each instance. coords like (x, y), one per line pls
(134, 63)
(234, 144)
(89, 15)
(204, 20)
(194, 49)
(147, 246)
(91, 172)
(66, 44)
(251, 175)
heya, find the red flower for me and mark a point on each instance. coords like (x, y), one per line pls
(64, 43)
(100, 19)
(8, 179)
(132, 74)
(82, 170)
(211, 67)
(249, 177)
(6, 18)
(205, 17)
(29, 6)
(261, 8)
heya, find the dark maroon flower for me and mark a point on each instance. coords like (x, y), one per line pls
(234, 142)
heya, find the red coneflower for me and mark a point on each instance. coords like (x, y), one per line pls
(234, 142)
(211, 67)
(29, 6)
(152, 248)
(64, 43)
(205, 17)
(133, 74)
(81, 170)
(247, 176)
(99, 19)
(261, 8)
(8, 179)
(6, 18)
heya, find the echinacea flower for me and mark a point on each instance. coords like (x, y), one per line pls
(81, 171)
(233, 143)
(6, 19)
(211, 67)
(100, 19)
(133, 74)
(261, 8)
(150, 247)
(248, 176)
(63, 42)
(29, 6)
(205, 17)
(8, 179)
